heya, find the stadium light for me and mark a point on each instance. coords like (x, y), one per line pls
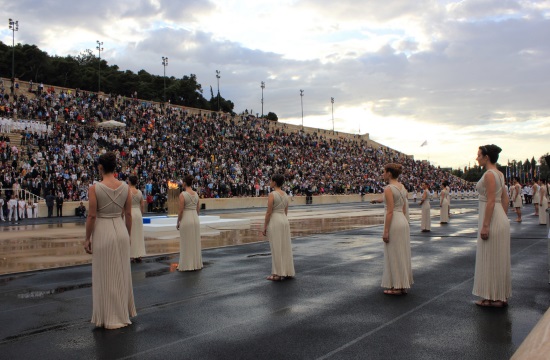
(14, 26)
(99, 49)
(218, 77)
(263, 87)
(302, 103)
(165, 64)
(332, 102)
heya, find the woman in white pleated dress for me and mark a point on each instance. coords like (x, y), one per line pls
(492, 279)
(137, 239)
(30, 208)
(516, 198)
(536, 196)
(444, 200)
(189, 228)
(108, 240)
(425, 223)
(397, 276)
(543, 202)
(277, 230)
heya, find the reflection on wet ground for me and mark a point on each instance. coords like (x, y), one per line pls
(41, 293)
(34, 247)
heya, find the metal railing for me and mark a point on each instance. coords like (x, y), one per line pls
(22, 194)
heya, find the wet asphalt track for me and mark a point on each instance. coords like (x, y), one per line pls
(334, 309)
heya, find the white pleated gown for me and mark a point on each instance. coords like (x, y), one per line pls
(444, 209)
(426, 221)
(113, 296)
(190, 235)
(543, 206)
(516, 199)
(137, 243)
(397, 252)
(492, 279)
(536, 194)
(278, 234)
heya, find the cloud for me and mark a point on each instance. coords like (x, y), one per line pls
(367, 11)
(479, 9)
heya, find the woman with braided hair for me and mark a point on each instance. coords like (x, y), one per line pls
(397, 276)
(492, 279)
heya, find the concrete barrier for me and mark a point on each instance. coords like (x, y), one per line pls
(261, 202)
(68, 208)
(239, 202)
(232, 203)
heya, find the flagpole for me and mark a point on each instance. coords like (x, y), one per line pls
(425, 143)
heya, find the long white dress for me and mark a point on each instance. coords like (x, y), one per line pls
(516, 196)
(190, 235)
(425, 223)
(278, 234)
(397, 252)
(29, 211)
(444, 209)
(543, 205)
(492, 279)
(406, 199)
(113, 296)
(536, 194)
(137, 239)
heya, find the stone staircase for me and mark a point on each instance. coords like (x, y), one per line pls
(15, 139)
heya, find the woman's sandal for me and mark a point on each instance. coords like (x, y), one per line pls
(395, 292)
(490, 303)
(275, 278)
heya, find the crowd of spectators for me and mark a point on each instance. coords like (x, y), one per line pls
(228, 156)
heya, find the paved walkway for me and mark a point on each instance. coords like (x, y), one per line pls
(334, 309)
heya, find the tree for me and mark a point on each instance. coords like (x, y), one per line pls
(544, 167)
(189, 93)
(474, 174)
(272, 116)
(63, 70)
(81, 72)
(32, 63)
(458, 173)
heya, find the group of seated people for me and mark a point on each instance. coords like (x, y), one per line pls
(228, 156)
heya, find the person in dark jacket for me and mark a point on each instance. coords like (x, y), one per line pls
(50, 198)
(59, 203)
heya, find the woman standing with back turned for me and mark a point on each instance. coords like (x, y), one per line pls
(492, 279)
(277, 229)
(444, 201)
(425, 223)
(108, 240)
(190, 228)
(137, 243)
(536, 196)
(543, 202)
(397, 276)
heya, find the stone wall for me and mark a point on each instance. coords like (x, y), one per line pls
(234, 203)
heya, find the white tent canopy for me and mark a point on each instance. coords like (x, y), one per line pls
(111, 124)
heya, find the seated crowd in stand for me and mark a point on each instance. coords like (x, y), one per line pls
(228, 157)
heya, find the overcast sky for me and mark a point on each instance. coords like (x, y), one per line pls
(457, 74)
